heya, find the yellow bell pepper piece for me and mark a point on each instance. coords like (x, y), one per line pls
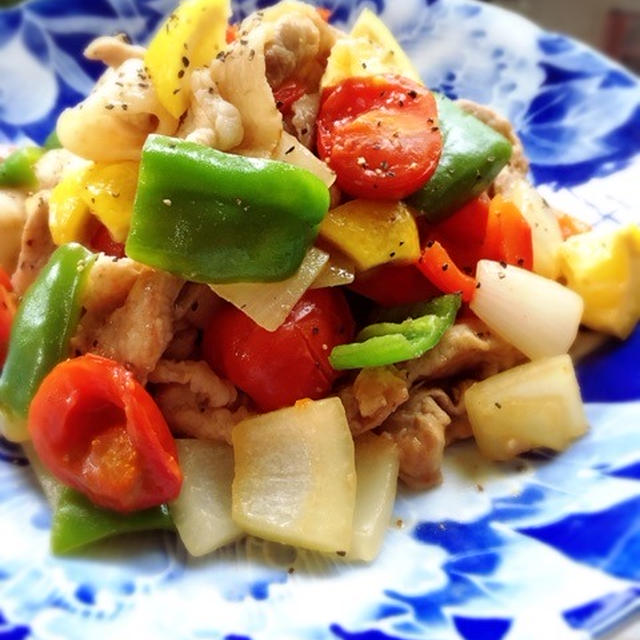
(369, 50)
(68, 212)
(109, 191)
(191, 37)
(604, 268)
(372, 233)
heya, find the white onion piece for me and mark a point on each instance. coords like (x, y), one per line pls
(295, 477)
(537, 316)
(202, 511)
(269, 303)
(336, 273)
(537, 404)
(546, 236)
(291, 151)
(377, 463)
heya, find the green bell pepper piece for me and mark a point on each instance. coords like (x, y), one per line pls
(472, 156)
(78, 522)
(390, 342)
(52, 141)
(210, 216)
(42, 327)
(17, 168)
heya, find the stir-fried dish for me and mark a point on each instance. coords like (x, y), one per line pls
(261, 272)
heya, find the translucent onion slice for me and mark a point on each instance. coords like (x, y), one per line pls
(537, 316)
(537, 404)
(295, 479)
(545, 230)
(338, 271)
(290, 150)
(268, 304)
(202, 511)
(377, 463)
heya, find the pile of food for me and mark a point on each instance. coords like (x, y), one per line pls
(261, 272)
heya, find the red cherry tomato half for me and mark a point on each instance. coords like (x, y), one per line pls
(276, 368)
(101, 240)
(391, 285)
(380, 135)
(97, 430)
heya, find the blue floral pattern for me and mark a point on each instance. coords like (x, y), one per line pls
(546, 548)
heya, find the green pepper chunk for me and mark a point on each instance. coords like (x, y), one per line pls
(210, 216)
(78, 522)
(390, 342)
(52, 141)
(42, 327)
(472, 156)
(17, 168)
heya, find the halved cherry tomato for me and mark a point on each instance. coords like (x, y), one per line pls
(380, 135)
(277, 368)
(391, 286)
(287, 94)
(7, 311)
(97, 430)
(101, 240)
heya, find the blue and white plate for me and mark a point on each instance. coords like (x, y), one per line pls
(538, 549)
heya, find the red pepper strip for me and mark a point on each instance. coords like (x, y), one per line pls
(570, 226)
(232, 33)
(287, 94)
(7, 312)
(97, 430)
(436, 264)
(393, 286)
(508, 236)
(101, 240)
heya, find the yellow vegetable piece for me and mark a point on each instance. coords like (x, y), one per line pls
(604, 268)
(372, 233)
(68, 212)
(191, 37)
(370, 49)
(109, 191)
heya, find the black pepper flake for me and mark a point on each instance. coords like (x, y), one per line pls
(119, 84)
(115, 194)
(364, 65)
(342, 554)
(434, 129)
(478, 285)
(304, 131)
(143, 85)
(412, 94)
(445, 266)
(392, 254)
(244, 42)
(498, 405)
(430, 120)
(401, 243)
(401, 103)
(181, 73)
(252, 54)
(176, 91)
(520, 261)
(503, 264)
(289, 150)
(279, 104)
(108, 107)
(315, 330)
(124, 107)
(185, 61)
(291, 570)
(221, 56)
(429, 244)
